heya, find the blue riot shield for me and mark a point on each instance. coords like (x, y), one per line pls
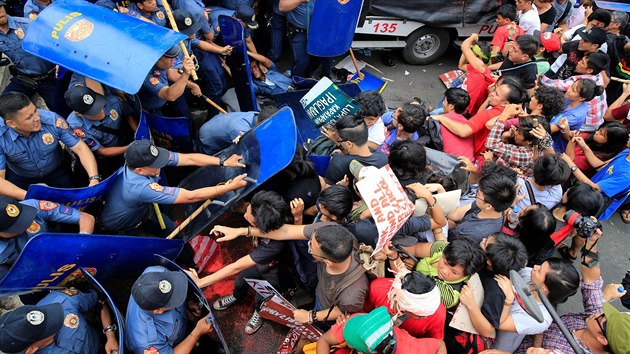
(116, 315)
(50, 260)
(172, 133)
(332, 27)
(266, 150)
(79, 198)
(115, 49)
(369, 82)
(233, 35)
(170, 265)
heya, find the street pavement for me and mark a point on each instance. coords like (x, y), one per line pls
(411, 81)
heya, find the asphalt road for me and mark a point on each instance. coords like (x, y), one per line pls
(411, 81)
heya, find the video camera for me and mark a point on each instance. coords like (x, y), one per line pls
(583, 226)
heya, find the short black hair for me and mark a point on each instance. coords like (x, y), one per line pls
(465, 252)
(459, 98)
(584, 199)
(534, 229)
(412, 117)
(371, 104)
(528, 44)
(335, 242)
(551, 170)
(589, 89)
(498, 191)
(551, 99)
(337, 199)
(11, 102)
(506, 253)
(265, 113)
(408, 159)
(417, 283)
(526, 125)
(517, 93)
(562, 281)
(270, 211)
(353, 129)
(597, 61)
(601, 15)
(493, 168)
(507, 11)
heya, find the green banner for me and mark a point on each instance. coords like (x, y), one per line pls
(325, 103)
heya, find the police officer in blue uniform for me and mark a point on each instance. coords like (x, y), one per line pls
(32, 8)
(57, 325)
(31, 74)
(296, 11)
(29, 145)
(128, 203)
(156, 314)
(149, 9)
(21, 221)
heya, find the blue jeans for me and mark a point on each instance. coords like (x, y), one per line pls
(300, 56)
(278, 26)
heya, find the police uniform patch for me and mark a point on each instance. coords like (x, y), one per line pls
(65, 210)
(79, 31)
(48, 139)
(32, 16)
(154, 81)
(35, 317)
(159, 15)
(156, 73)
(34, 228)
(151, 350)
(156, 187)
(46, 205)
(12, 210)
(343, 2)
(113, 114)
(70, 291)
(79, 133)
(61, 123)
(19, 33)
(71, 321)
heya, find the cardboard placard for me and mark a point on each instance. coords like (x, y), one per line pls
(388, 203)
(325, 103)
(461, 318)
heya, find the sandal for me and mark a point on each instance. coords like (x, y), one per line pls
(564, 252)
(625, 216)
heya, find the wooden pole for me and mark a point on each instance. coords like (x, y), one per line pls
(171, 19)
(185, 223)
(211, 102)
(158, 215)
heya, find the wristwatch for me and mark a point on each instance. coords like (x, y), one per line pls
(222, 161)
(96, 177)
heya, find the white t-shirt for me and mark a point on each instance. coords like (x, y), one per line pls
(524, 323)
(376, 133)
(529, 21)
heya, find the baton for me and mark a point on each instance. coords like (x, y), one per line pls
(619, 80)
(171, 19)
(211, 102)
(158, 214)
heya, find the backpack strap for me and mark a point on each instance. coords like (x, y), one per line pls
(348, 280)
(532, 198)
(567, 9)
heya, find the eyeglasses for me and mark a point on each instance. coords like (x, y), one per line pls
(339, 140)
(598, 320)
(310, 250)
(478, 197)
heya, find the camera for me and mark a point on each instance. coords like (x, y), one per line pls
(583, 226)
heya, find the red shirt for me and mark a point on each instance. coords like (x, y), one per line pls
(405, 343)
(430, 326)
(501, 36)
(621, 114)
(476, 84)
(478, 125)
(453, 144)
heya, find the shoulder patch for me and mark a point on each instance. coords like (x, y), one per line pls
(156, 187)
(46, 205)
(79, 133)
(159, 15)
(113, 114)
(70, 291)
(65, 210)
(154, 81)
(34, 228)
(71, 321)
(61, 123)
(151, 350)
(19, 33)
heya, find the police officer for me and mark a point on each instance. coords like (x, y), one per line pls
(97, 120)
(30, 74)
(296, 11)
(156, 314)
(56, 325)
(148, 9)
(29, 145)
(21, 221)
(155, 90)
(128, 203)
(32, 8)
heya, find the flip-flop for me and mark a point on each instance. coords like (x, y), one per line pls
(625, 216)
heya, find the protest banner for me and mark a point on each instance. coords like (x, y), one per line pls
(388, 203)
(278, 309)
(325, 103)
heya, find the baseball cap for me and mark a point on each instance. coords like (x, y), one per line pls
(143, 153)
(593, 35)
(28, 324)
(84, 100)
(246, 14)
(360, 171)
(173, 52)
(15, 217)
(617, 329)
(549, 40)
(156, 290)
(3, 3)
(366, 332)
(185, 21)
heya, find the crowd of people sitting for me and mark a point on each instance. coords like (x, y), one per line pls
(538, 120)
